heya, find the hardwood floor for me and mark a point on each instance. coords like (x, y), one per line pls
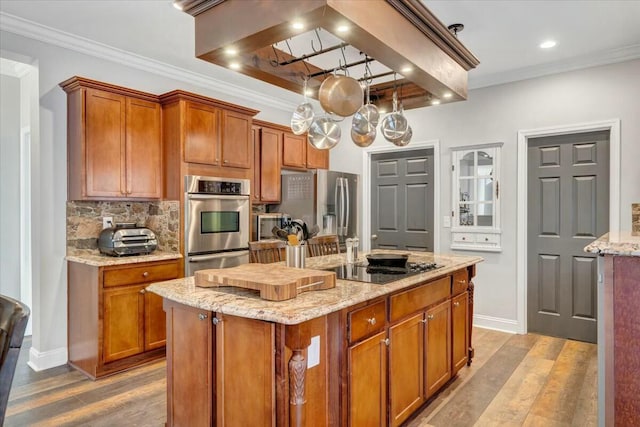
(514, 380)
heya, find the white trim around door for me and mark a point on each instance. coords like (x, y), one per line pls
(613, 126)
(366, 188)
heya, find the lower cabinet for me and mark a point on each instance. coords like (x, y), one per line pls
(114, 323)
(460, 331)
(437, 347)
(367, 367)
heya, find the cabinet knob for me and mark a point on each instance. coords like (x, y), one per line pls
(143, 291)
(424, 320)
(386, 341)
(224, 161)
(456, 304)
(430, 317)
(372, 321)
(202, 316)
(145, 274)
(462, 282)
(215, 320)
(464, 238)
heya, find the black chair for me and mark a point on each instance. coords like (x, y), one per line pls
(13, 320)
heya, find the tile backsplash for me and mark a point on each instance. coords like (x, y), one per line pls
(635, 219)
(84, 221)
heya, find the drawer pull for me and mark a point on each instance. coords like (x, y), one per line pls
(145, 274)
(430, 317)
(202, 316)
(372, 321)
(456, 304)
(142, 291)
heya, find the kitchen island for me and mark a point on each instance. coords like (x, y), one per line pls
(357, 354)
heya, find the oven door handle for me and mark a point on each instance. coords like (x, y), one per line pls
(215, 197)
(232, 254)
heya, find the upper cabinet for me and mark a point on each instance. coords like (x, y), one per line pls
(476, 198)
(113, 143)
(266, 170)
(298, 153)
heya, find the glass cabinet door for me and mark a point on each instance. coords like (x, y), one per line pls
(475, 182)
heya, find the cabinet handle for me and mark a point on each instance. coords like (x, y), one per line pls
(145, 274)
(215, 320)
(456, 304)
(142, 291)
(386, 341)
(430, 317)
(202, 316)
(372, 321)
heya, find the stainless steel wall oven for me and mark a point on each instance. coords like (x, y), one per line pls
(217, 215)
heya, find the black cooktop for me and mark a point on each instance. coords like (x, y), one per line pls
(362, 272)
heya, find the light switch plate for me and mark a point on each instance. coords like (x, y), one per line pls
(446, 221)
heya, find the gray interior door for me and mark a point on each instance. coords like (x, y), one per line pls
(402, 200)
(568, 207)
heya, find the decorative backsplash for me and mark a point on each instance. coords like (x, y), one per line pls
(84, 221)
(635, 219)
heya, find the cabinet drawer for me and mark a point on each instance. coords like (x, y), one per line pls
(460, 282)
(419, 298)
(141, 274)
(488, 239)
(367, 320)
(463, 237)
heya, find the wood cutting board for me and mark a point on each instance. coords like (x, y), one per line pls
(275, 282)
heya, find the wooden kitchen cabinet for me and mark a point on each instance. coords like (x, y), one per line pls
(367, 367)
(459, 331)
(437, 347)
(267, 147)
(114, 323)
(298, 153)
(114, 142)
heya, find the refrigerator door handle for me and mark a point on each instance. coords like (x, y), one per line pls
(336, 206)
(347, 202)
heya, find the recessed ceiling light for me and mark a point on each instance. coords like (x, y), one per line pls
(231, 51)
(407, 69)
(342, 28)
(308, 92)
(297, 25)
(435, 102)
(447, 95)
(234, 65)
(548, 44)
(177, 5)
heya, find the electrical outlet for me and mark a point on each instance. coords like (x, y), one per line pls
(107, 221)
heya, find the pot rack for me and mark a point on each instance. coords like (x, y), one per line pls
(394, 33)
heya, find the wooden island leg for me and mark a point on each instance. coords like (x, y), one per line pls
(297, 400)
(470, 288)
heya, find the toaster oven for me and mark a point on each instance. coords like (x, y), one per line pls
(127, 239)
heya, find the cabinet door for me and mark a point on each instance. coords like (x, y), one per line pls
(236, 140)
(271, 147)
(460, 331)
(294, 150)
(202, 134)
(245, 372)
(104, 144)
(143, 162)
(438, 347)
(255, 185)
(155, 335)
(367, 365)
(189, 366)
(406, 363)
(123, 322)
(316, 158)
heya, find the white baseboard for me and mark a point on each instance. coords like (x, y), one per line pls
(496, 323)
(39, 361)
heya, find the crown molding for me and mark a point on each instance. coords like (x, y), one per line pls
(612, 56)
(29, 29)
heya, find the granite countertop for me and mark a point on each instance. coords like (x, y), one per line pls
(95, 258)
(615, 243)
(308, 305)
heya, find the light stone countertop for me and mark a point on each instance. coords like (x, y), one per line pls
(308, 305)
(95, 258)
(615, 243)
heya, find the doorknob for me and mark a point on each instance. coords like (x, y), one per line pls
(374, 237)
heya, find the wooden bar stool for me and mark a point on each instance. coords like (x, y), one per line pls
(323, 245)
(267, 251)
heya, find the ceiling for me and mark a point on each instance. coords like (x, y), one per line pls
(503, 35)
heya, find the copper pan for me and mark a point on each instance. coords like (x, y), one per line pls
(341, 95)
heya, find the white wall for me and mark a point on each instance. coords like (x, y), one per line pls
(496, 114)
(10, 186)
(490, 115)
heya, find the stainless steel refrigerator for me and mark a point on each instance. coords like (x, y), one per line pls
(326, 198)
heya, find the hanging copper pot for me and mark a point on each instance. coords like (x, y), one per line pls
(341, 95)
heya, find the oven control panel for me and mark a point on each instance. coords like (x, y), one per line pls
(217, 186)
